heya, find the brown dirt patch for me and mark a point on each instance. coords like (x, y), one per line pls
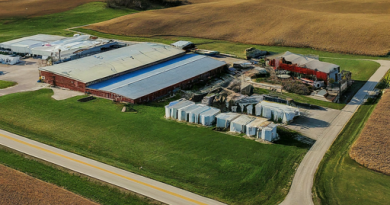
(348, 26)
(372, 149)
(19, 188)
(24, 8)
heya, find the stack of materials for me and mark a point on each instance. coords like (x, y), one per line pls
(171, 110)
(262, 128)
(276, 112)
(239, 124)
(224, 119)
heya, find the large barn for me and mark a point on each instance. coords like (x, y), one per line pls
(136, 74)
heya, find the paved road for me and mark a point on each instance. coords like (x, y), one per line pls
(301, 190)
(136, 183)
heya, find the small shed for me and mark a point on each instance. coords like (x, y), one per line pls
(252, 127)
(224, 119)
(207, 118)
(239, 124)
(171, 110)
(194, 115)
(267, 131)
(8, 59)
(185, 45)
(183, 113)
(276, 111)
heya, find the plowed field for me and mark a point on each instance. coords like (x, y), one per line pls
(24, 8)
(372, 149)
(19, 188)
(347, 26)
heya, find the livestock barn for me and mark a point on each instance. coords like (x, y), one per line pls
(138, 73)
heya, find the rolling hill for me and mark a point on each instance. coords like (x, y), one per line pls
(348, 26)
(25, 8)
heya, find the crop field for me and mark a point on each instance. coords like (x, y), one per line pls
(372, 148)
(340, 179)
(6, 84)
(19, 188)
(228, 168)
(349, 26)
(26, 8)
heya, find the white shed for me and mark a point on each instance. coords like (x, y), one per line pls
(224, 119)
(171, 110)
(183, 113)
(207, 118)
(239, 124)
(194, 115)
(267, 131)
(8, 59)
(252, 127)
(276, 111)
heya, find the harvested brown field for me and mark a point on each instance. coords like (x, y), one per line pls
(347, 26)
(25, 8)
(19, 188)
(372, 149)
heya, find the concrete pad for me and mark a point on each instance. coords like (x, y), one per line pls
(313, 122)
(62, 94)
(25, 73)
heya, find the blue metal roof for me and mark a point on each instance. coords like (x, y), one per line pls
(148, 80)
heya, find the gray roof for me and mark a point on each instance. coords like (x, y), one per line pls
(211, 111)
(182, 104)
(243, 120)
(148, 80)
(39, 38)
(181, 44)
(228, 115)
(306, 62)
(112, 62)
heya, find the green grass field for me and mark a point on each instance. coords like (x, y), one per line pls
(57, 23)
(220, 166)
(6, 84)
(76, 184)
(341, 180)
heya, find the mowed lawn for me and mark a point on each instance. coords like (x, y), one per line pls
(341, 180)
(232, 169)
(6, 84)
(12, 28)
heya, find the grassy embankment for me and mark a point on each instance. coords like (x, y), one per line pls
(361, 69)
(6, 84)
(101, 194)
(224, 167)
(12, 28)
(341, 180)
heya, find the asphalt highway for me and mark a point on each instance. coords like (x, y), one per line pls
(121, 178)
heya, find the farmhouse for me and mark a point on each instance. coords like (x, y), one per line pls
(138, 73)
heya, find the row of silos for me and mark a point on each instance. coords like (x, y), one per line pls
(188, 111)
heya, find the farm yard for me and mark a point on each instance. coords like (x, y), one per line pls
(19, 188)
(371, 149)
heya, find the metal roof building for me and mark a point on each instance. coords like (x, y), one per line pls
(25, 44)
(158, 80)
(105, 65)
(239, 124)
